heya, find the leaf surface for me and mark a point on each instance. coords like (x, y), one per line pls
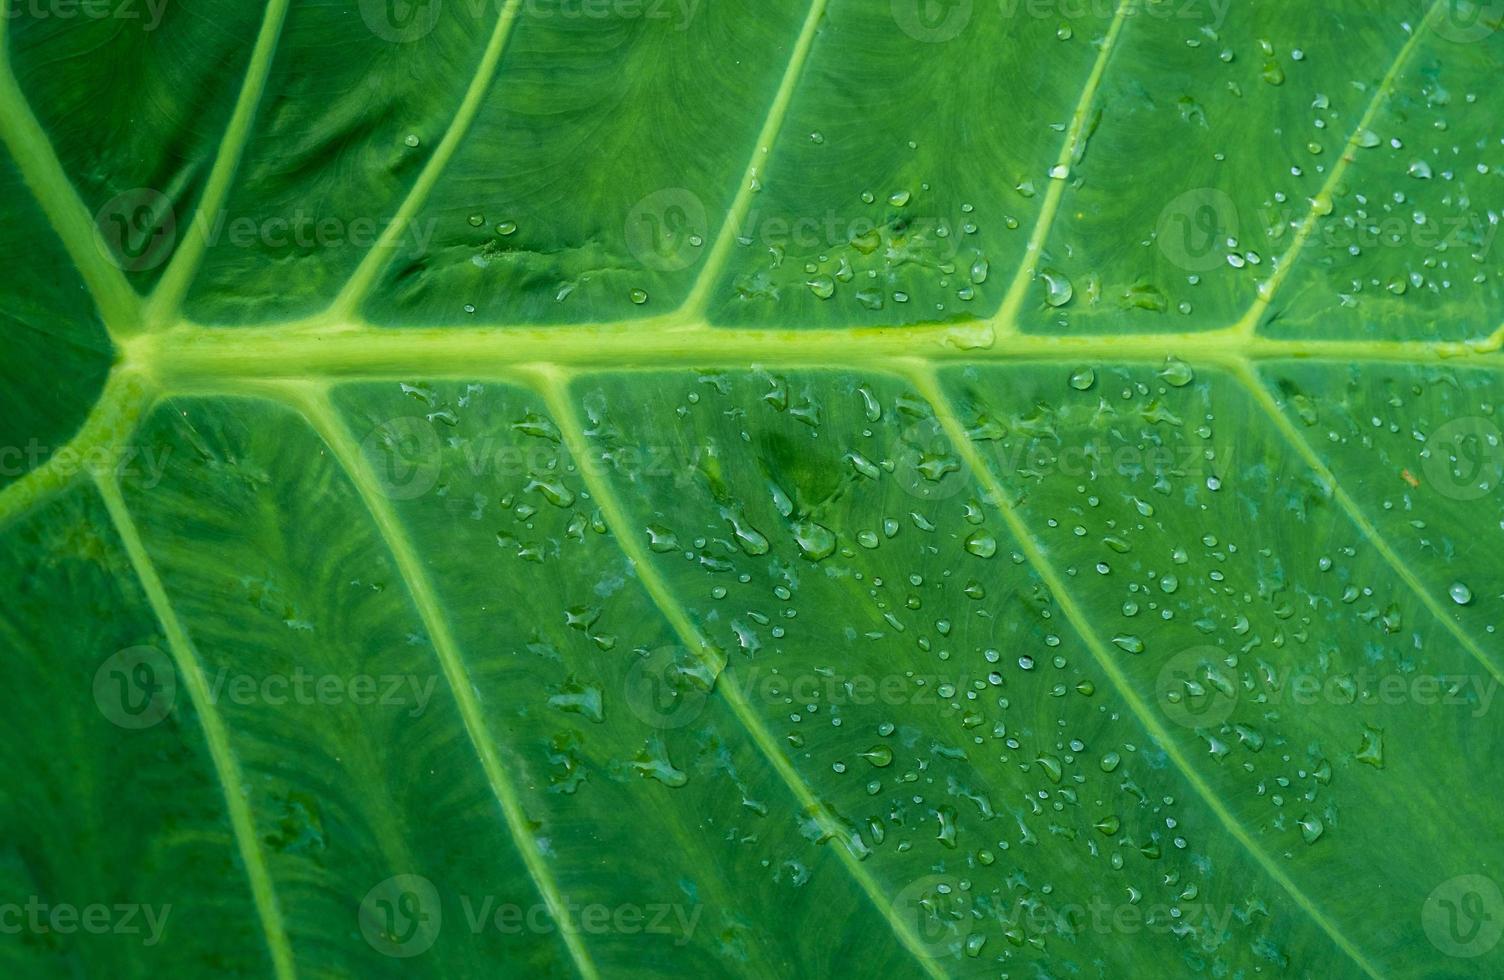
(542, 488)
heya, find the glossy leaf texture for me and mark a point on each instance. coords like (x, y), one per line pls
(700, 487)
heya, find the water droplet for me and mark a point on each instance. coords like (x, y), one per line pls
(815, 540)
(661, 539)
(1371, 752)
(1129, 642)
(982, 544)
(1176, 372)
(822, 286)
(639, 296)
(1058, 288)
(1460, 593)
(505, 228)
(1083, 378)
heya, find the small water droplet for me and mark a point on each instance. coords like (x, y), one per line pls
(1058, 288)
(1176, 372)
(982, 544)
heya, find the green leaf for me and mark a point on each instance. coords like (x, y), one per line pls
(666, 488)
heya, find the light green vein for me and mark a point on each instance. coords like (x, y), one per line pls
(1321, 204)
(1265, 398)
(381, 253)
(554, 387)
(173, 286)
(226, 766)
(320, 414)
(106, 430)
(720, 251)
(928, 385)
(119, 305)
(1013, 300)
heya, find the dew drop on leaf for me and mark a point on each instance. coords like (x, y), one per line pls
(1058, 288)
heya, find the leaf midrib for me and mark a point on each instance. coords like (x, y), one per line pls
(368, 352)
